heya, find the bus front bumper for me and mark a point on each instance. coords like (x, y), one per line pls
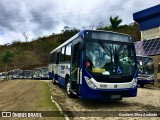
(144, 82)
(110, 94)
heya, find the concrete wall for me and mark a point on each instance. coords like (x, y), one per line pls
(150, 34)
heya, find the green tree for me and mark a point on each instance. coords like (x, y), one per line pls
(115, 22)
(7, 58)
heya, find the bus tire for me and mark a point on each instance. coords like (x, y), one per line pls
(68, 90)
(142, 85)
(54, 82)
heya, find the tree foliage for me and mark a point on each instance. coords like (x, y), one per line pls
(7, 56)
(131, 29)
(115, 22)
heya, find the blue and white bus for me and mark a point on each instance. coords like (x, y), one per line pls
(37, 73)
(45, 74)
(15, 74)
(145, 70)
(97, 65)
(27, 74)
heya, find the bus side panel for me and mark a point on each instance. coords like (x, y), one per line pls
(63, 70)
(145, 81)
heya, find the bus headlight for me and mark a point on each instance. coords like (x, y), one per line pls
(150, 78)
(90, 83)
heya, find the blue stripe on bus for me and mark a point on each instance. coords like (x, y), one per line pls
(61, 81)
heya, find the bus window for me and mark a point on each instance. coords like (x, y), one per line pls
(62, 55)
(57, 57)
(68, 53)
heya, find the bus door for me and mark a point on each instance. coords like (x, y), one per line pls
(75, 68)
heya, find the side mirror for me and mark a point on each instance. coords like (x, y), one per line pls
(81, 45)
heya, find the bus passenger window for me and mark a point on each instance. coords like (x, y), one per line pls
(62, 55)
(68, 53)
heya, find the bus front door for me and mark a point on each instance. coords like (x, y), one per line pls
(75, 68)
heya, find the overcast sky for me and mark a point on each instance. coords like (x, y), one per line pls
(37, 18)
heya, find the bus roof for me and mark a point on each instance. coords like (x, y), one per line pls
(37, 68)
(82, 33)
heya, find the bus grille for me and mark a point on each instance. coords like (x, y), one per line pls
(112, 79)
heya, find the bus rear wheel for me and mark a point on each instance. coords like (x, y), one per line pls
(54, 82)
(68, 89)
(53, 79)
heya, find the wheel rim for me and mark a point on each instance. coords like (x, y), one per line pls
(68, 88)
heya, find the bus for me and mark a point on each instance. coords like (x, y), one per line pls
(2, 75)
(27, 74)
(45, 74)
(37, 73)
(15, 74)
(97, 65)
(145, 70)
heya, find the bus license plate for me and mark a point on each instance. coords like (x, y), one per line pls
(116, 97)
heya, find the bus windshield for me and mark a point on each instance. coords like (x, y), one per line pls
(45, 70)
(110, 58)
(145, 65)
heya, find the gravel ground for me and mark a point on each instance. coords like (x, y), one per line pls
(147, 100)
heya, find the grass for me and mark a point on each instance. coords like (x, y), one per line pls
(44, 101)
(45, 96)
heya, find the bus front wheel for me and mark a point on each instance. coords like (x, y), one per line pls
(142, 85)
(68, 89)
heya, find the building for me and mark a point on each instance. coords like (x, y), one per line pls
(149, 21)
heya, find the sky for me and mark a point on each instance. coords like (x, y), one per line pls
(38, 18)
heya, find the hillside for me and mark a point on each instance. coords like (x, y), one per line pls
(28, 55)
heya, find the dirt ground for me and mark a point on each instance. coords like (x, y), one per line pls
(148, 99)
(26, 95)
